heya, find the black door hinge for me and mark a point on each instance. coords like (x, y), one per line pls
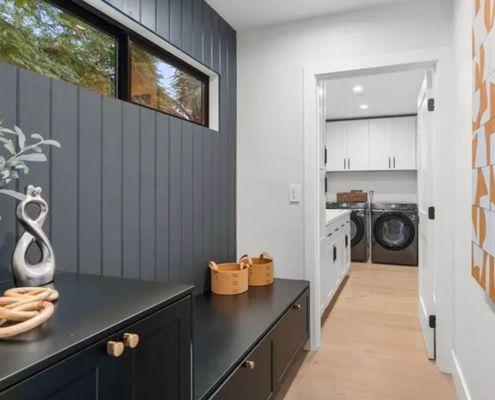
(326, 155)
(431, 212)
(431, 104)
(432, 321)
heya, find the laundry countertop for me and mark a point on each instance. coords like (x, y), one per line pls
(333, 215)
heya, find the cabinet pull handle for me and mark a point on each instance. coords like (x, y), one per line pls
(349, 163)
(249, 364)
(130, 340)
(296, 306)
(115, 349)
(344, 164)
(389, 162)
(394, 161)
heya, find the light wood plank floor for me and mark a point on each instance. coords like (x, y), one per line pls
(372, 348)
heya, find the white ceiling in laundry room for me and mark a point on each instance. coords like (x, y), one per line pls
(384, 94)
(248, 14)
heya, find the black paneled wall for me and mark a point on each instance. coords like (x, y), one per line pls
(133, 192)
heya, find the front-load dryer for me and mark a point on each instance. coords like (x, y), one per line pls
(394, 233)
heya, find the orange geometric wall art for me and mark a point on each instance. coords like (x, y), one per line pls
(483, 147)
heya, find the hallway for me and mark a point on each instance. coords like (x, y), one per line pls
(371, 346)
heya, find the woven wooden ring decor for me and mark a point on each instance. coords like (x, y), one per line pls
(23, 309)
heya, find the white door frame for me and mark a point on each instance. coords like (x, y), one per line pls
(440, 59)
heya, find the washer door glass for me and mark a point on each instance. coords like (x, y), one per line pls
(357, 229)
(394, 231)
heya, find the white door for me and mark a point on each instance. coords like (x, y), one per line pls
(425, 199)
(336, 146)
(380, 134)
(404, 143)
(321, 104)
(357, 145)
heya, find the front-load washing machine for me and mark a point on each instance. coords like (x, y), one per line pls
(359, 228)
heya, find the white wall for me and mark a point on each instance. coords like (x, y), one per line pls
(389, 186)
(270, 108)
(474, 317)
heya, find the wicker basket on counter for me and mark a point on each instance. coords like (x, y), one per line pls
(260, 269)
(354, 196)
(229, 278)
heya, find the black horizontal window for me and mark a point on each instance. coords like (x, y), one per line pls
(41, 37)
(166, 86)
(63, 40)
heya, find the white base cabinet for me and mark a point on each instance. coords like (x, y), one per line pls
(335, 259)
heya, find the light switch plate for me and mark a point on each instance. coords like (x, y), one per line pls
(294, 193)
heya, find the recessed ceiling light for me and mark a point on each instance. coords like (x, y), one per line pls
(364, 106)
(358, 89)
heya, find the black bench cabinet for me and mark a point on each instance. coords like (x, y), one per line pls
(207, 347)
(69, 357)
(245, 344)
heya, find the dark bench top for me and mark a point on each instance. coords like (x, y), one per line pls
(226, 328)
(89, 309)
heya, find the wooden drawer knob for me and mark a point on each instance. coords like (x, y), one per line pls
(115, 349)
(249, 364)
(131, 340)
(296, 306)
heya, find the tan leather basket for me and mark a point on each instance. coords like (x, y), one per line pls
(229, 278)
(260, 269)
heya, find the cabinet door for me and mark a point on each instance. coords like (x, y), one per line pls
(341, 260)
(336, 146)
(335, 268)
(87, 375)
(160, 366)
(289, 336)
(347, 244)
(380, 135)
(253, 379)
(404, 143)
(325, 272)
(358, 145)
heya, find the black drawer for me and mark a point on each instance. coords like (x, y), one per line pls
(289, 335)
(253, 379)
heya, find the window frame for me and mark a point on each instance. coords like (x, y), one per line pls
(124, 36)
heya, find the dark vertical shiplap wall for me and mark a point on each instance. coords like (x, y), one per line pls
(132, 192)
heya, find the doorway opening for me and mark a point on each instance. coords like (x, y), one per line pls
(372, 145)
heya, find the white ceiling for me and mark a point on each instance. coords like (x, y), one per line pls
(385, 94)
(248, 14)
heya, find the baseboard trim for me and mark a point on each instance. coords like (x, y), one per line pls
(459, 381)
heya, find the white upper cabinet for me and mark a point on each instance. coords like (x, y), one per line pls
(404, 143)
(337, 146)
(372, 145)
(357, 145)
(347, 145)
(380, 144)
